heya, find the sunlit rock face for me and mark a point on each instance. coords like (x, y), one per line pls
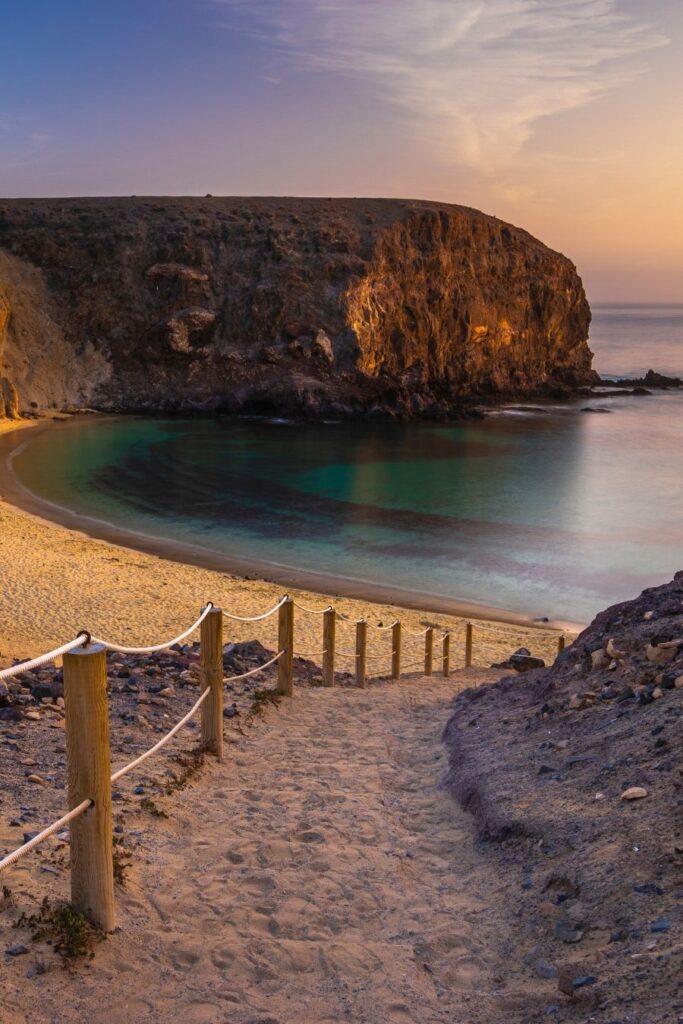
(307, 307)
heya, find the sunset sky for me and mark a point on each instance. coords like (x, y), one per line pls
(562, 116)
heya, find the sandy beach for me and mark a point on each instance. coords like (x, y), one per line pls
(299, 881)
(56, 581)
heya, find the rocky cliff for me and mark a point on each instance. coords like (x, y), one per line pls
(302, 306)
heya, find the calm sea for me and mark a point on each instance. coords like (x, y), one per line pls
(553, 512)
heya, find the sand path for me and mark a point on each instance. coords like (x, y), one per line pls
(320, 874)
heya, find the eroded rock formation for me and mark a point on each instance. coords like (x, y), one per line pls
(302, 306)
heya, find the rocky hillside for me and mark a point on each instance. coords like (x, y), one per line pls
(302, 306)
(573, 774)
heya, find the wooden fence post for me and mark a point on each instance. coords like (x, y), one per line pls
(468, 645)
(560, 644)
(211, 638)
(446, 651)
(329, 631)
(396, 651)
(285, 640)
(89, 777)
(361, 652)
(429, 650)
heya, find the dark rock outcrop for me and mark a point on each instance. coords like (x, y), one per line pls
(573, 776)
(302, 306)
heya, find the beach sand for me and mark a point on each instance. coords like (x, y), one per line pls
(319, 874)
(56, 581)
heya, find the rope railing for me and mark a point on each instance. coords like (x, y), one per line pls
(164, 739)
(55, 827)
(86, 710)
(42, 659)
(257, 618)
(120, 649)
(66, 819)
(312, 611)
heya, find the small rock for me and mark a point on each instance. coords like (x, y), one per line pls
(36, 779)
(649, 889)
(634, 793)
(660, 655)
(599, 659)
(566, 931)
(545, 970)
(662, 924)
(18, 950)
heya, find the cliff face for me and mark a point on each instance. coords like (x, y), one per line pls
(293, 305)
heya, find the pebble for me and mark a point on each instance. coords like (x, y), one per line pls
(586, 979)
(566, 931)
(18, 950)
(37, 779)
(634, 793)
(662, 924)
(545, 970)
(649, 889)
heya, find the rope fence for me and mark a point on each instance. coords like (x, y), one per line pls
(90, 778)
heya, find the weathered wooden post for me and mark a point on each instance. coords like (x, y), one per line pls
(329, 632)
(285, 640)
(560, 644)
(211, 638)
(446, 654)
(396, 651)
(429, 650)
(468, 645)
(89, 772)
(361, 652)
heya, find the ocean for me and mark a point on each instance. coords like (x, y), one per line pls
(554, 511)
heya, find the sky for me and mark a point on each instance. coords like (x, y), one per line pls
(561, 116)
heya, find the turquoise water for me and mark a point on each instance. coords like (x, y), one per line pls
(554, 513)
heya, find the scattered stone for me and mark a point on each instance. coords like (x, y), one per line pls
(660, 655)
(634, 793)
(649, 889)
(662, 924)
(545, 970)
(566, 931)
(18, 950)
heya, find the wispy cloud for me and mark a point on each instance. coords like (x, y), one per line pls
(471, 76)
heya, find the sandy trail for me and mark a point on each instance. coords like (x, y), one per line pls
(320, 874)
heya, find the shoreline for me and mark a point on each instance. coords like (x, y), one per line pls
(319, 583)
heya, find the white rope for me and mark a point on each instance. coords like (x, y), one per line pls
(313, 611)
(253, 671)
(412, 632)
(26, 666)
(183, 721)
(163, 741)
(256, 618)
(155, 647)
(311, 654)
(12, 858)
(390, 626)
